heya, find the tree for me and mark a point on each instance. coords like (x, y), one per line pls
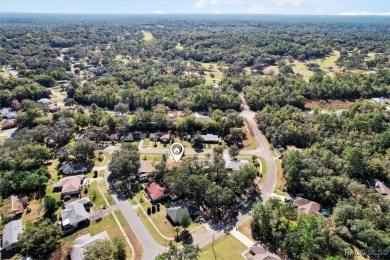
(185, 220)
(101, 249)
(125, 163)
(187, 252)
(121, 108)
(261, 222)
(120, 249)
(197, 142)
(84, 149)
(234, 151)
(50, 205)
(39, 240)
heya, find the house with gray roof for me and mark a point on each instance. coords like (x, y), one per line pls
(44, 101)
(68, 168)
(235, 165)
(85, 241)
(75, 214)
(210, 138)
(10, 234)
(175, 213)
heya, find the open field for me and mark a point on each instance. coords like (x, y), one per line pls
(329, 61)
(301, 68)
(148, 36)
(226, 247)
(330, 104)
(179, 47)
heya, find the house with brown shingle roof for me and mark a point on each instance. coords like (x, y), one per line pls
(17, 204)
(307, 206)
(69, 185)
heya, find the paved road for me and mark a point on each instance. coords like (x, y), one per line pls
(150, 247)
(263, 149)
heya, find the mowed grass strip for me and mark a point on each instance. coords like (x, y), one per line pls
(226, 247)
(129, 232)
(245, 228)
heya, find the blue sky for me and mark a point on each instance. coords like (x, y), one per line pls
(320, 7)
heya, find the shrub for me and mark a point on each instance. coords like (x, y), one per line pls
(86, 190)
(149, 211)
(67, 197)
(153, 209)
(28, 210)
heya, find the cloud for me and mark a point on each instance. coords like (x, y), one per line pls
(216, 12)
(158, 12)
(364, 13)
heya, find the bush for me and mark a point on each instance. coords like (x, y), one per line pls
(28, 210)
(153, 209)
(86, 190)
(95, 174)
(67, 197)
(149, 211)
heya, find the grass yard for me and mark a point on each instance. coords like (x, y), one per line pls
(148, 36)
(95, 195)
(2, 139)
(245, 228)
(226, 247)
(300, 68)
(251, 142)
(154, 157)
(105, 156)
(54, 178)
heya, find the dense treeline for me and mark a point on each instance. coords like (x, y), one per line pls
(344, 154)
(293, 90)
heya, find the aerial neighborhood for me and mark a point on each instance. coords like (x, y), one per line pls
(199, 137)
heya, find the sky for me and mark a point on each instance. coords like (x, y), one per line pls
(288, 7)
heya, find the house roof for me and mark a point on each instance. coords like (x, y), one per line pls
(264, 256)
(175, 213)
(235, 164)
(17, 203)
(257, 250)
(74, 213)
(9, 123)
(11, 231)
(79, 136)
(155, 190)
(45, 101)
(85, 241)
(146, 166)
(70, 184)
(381, 188)
(306, 206)
(74, 167)
(210, 138)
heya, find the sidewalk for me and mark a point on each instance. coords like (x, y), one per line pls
(243, 239)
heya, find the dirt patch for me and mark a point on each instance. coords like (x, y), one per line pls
(330, 104)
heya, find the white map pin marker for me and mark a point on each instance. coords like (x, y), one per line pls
(177, 150)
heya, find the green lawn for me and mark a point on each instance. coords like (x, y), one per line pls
(245, 228)
(148, 36)
(95, 195)
(129, 232)
(329, 61)
(156, 236)
(226, 247)
(154, 157)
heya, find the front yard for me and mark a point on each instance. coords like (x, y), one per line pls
(226, 247)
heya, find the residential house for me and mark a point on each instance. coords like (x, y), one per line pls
(202, 118)
(75, 214)
(62, 81)
(85, 241)
(306, 206)
(128, 138)
(10, 234)
(69, 185)
(166, 138)
(44, 101)
(156, 191)
(142, 136)
(210, 138)
(259, 253)
(380, 101)
(54, 108)
(145, 169)
(235, 165)
(382, 188)
(17, 204)
(10, 115)
(79, 136)
(174, 213)
(69, 168)
(8, 124)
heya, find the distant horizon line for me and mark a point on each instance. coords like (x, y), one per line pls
(217, 13)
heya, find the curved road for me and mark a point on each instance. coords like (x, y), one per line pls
(263, 149)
